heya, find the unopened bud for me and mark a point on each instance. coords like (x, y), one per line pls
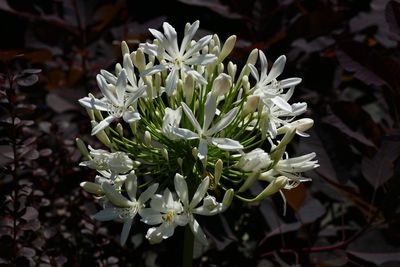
(92, 188)
(232, 68)
(180, 162)
(195, 152)
(164, 153)
(276, 185)
(218, 171)
(147, 138)
(215, 40)
(227, 48)
(204, 50)
(228, 197)
(120, 129)
(252, 59)
(82, 148)
(118, 68)
(115, 198)
(188, 88)
(140, 60)
(222, 84)
(251, 104)
(301, 125)
(102, 136)
(124, 48)
(220, 68)
(249, 181)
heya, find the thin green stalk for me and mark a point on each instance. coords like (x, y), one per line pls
(188, 245)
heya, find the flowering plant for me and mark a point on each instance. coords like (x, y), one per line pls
(200, 132)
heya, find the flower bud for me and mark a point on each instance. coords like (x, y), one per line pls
(249, 181)
(92, 188)
(82, 148)
(220, 68)
(276, 185)
(227, 200)
(118, 68)
(180, 162)
(188, 88)
(204, 50)
(140, 60)
(222, 84)
(252, 59)
(124, 48)
(227, 48)
(115, 198)
(301, 125)
(120, 129)
(251, 104)
(218, 171)
(102, 136)
(164, 153)
(232, 68)
(147, 138)
(195, 152)
(215, 40)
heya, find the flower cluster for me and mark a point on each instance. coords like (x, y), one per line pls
(185, 129)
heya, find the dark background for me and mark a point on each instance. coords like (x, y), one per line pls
(345, 51)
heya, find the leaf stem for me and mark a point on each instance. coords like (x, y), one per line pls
(188, 244)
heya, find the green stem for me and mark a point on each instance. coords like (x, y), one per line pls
(188, 244)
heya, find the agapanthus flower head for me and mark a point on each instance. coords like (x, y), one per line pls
(191, 132)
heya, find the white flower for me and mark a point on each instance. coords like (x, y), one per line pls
(117, 102)
(210, 205)
(165, 211)
(102, 160)
(292, 169)
(254, 161)
(178, 59)
(123, 208)
(267, 84)
(205, 133)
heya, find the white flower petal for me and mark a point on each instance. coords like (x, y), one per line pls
(131, 185)
(157, 203)
(125, 231)
(210, 108)
(200, 192)
(131, 116)
(276, 69)
(223, 122)
(191, 117)
(197, 46)
(150, 216)
(281, 103)
(289, 82)
(203, 149)
(226, 144)
(93, 103)
(183, 133)
(201, 60)
(103, 124)
(148, 193)
(154, 70)
(181, 189)
(101, 82)
(198, 232)
(264, 65)
(106, 214)
(129, 68)
(254, 72)
(172, 39)
(171, 81)
(110, 78)
(116, 198)
(189, 33)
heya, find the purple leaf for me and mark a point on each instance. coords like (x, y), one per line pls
(28, 80)
(311, 210)
(376, 258)
(379, 169)
(336, 122)
(392, 12)
(30, 214)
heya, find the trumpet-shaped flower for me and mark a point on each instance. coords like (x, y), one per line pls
(117, 102)
(165, 211)
(205, 133)
(178, 59)
(122, 207)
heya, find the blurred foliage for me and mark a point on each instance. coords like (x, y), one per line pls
(345, 51)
